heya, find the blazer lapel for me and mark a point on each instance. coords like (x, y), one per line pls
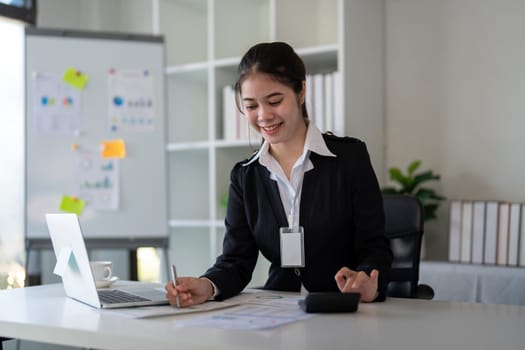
(272, 192)
(310, 187)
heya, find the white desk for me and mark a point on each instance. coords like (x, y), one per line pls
(475, 283)
(44, 314)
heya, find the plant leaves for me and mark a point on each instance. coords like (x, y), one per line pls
(425, 194)
(430, 211)
(424, 177)
(411, 182)
(413, 167)
(397, 175)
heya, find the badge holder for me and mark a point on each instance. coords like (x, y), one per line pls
(292, 246)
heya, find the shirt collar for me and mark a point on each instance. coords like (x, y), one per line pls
(314, 142)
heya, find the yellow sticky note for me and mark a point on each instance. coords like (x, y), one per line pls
(75, 77)
(72, 204)
(113, 149)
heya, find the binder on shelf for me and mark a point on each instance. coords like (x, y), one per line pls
(466, 231)
(324, 102)
(503, 234)
(329, 102)
(318, 113)
(491, 232)
(454, 248)
(521, 259)
(339, 116)
(309, 97)
(514, 232)
(478, 231)
(228, 113)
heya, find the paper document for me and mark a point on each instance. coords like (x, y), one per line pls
(257, 310)
(56, 105)
(167, 310)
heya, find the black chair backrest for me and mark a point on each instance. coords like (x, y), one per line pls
(404, 227)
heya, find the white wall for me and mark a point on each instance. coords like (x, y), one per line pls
(455, 98)
(11, 149)
(131, 16)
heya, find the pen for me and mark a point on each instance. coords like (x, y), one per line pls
(174, 281)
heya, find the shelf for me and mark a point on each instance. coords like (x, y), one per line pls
(190, 223)
(189, 185)
(176, 223)
(219, 224)
(226, 158)
(203, 145)
(187, 68)
(188, 101)
(237, 143)
(187, 146)
(230, 62)
(322, 59)
(313, 54)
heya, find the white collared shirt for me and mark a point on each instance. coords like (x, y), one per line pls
(314, 142)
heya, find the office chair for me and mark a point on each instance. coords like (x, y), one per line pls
(404, 227)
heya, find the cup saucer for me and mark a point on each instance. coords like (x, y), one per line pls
(106, 283)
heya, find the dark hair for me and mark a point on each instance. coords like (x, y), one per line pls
(276, 59)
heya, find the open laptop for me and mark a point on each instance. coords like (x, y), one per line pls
(74, 268)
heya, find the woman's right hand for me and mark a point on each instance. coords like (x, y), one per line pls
(189, 290)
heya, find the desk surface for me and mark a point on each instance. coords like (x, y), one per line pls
(44, 314)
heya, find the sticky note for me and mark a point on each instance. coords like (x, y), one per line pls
(72, 205)
(75, 78)
(113, 149)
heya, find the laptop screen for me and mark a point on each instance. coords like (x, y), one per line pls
(72, 258)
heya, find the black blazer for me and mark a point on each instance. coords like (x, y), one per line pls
(341, 211)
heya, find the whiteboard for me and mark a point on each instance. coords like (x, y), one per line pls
(52, 163)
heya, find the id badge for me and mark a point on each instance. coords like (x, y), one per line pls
(292, 247)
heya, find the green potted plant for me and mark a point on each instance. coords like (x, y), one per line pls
(411, 183)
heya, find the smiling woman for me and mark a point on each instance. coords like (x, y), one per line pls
(12, 154)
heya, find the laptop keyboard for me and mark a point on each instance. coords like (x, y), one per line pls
(115, 296)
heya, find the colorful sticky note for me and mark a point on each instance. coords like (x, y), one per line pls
(72, 204)
(113, 149)
(75, 78)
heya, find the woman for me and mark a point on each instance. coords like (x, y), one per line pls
(310, 203)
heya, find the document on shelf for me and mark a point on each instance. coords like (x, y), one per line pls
(256, 310)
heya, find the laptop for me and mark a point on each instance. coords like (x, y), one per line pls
(74, 269)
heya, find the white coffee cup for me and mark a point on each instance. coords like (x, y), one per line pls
(102, 270)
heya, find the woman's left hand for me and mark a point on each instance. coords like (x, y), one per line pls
(350, 281)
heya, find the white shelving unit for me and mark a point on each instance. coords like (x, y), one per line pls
(204, 43)
(205, 40)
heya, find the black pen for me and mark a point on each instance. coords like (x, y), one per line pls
(174, 281)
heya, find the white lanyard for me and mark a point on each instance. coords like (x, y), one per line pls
(298, 191)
